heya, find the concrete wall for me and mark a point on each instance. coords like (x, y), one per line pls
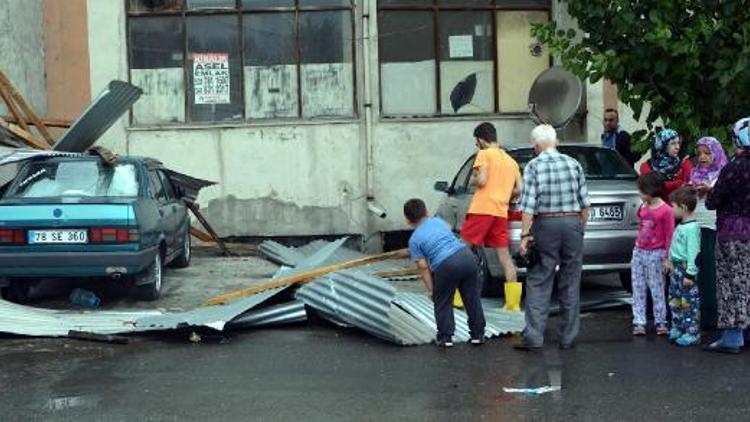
(22, 47)
(299, 178)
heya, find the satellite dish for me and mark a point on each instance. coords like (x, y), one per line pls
(554, 97)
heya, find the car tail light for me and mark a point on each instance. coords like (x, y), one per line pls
(114, 235)
(12, 237)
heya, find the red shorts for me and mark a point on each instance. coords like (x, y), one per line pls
(485, 230)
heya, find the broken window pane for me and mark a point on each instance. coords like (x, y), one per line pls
(255, 4)
(407, 63)
(211, 4)
(156, 67)
(214, 68)
(467, 81)
(327, 71)
(270, 66)
(155, 6)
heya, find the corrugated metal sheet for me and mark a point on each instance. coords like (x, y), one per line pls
(26, 320)
(27, 154)
(286, 313)
(365, 302)
(498, 322)
(215, 317)
(29, 321)
(106, 109)
(289, 256)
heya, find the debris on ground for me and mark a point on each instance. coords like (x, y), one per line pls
(533, 391)
(84, 298)
(339, 284)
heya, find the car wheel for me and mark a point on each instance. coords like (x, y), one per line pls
(148, 283)
(183, 259)
(626, 281)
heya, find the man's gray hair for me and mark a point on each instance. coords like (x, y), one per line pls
(544, 135)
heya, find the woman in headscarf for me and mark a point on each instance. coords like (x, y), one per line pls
(730, 197)
(665, 160)
(711, 159)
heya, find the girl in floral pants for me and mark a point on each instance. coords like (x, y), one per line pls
(650, 254)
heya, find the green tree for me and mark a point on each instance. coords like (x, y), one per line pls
(687, 59)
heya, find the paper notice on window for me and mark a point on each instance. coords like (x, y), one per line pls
(211, 78)
(461, 46)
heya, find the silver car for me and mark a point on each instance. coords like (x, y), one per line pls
(613, 222)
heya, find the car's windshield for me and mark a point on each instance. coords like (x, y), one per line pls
(597, 163)
(74, 178)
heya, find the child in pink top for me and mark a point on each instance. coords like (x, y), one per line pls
(650, 257)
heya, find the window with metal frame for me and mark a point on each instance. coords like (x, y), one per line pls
(458, 57)
(223, 61)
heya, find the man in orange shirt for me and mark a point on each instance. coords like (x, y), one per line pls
(498, 180)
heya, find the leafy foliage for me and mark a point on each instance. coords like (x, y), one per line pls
(687, 59)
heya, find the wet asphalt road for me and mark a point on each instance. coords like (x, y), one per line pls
(320, 372)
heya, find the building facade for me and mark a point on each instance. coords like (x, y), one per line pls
(306, 111)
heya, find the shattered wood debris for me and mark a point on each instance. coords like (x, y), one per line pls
(24, 136)
(14, 100)
(193, 207)
(47, 121)
(200, 234)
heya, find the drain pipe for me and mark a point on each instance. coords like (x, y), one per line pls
(366, 40)
(372, 207)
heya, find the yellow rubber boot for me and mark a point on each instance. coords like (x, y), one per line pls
(457, 301)
(513, 291)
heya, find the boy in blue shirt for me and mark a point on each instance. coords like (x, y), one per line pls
(445, 264)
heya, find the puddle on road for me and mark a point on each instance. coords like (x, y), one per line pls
(542, 378)
(71, 402)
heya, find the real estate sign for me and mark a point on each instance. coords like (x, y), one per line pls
(211, 78)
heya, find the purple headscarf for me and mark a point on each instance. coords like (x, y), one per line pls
(709, 174)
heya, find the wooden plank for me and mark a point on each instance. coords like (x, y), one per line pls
(215, 237)
(306, 276)
(398, 273)
(47, 121)
(28, 138)
(200, 234)
(13, 110)
(18, 98)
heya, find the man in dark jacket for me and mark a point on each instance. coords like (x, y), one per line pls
(614, 137)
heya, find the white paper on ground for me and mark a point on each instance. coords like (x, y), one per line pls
(537, 390)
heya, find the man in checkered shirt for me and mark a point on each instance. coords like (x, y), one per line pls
(555, 206)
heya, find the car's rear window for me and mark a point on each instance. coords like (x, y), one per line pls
(597, 163)
(74, 178)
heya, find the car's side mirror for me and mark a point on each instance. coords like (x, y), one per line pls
(442, 187)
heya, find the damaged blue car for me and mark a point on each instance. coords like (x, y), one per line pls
(81, 216)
